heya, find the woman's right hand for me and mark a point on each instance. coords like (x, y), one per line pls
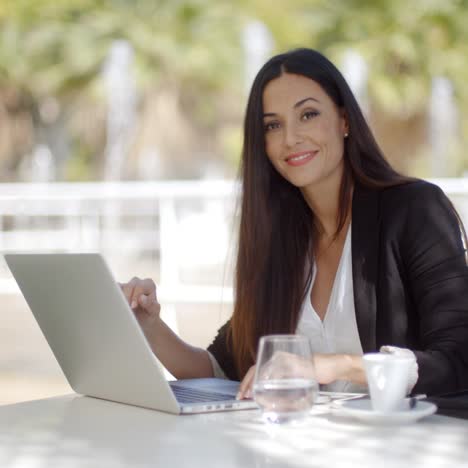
(141, 295)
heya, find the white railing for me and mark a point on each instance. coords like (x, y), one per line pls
(171, 227)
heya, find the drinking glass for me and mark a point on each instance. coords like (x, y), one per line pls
(285, 386)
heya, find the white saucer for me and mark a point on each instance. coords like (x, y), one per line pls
(362, 409)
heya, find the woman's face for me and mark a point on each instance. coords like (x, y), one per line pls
(304, 132)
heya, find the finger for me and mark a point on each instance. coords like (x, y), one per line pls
(128, 288)
(144, 294)
(131, 291)
(149, 303)
(240, 391)
(148, 286)
(249, 384)
(246, 384)
(249, 392)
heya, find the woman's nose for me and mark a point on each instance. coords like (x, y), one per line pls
(291, 136)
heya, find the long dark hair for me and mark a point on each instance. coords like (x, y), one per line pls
(276, 224)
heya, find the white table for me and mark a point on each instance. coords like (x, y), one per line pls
(79, 432)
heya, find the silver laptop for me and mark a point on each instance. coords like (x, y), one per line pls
(98, 342)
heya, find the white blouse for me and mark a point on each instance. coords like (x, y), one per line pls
(338, 332)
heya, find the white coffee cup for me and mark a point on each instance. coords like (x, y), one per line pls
(387, 376)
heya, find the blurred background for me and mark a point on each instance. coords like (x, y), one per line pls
(121, 130)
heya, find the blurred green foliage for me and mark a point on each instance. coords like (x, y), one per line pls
(58, 47)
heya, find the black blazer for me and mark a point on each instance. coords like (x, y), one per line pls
(410, 282)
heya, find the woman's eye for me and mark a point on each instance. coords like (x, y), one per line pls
(271, 126)
(309, 115)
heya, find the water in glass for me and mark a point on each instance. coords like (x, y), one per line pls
(285, 387)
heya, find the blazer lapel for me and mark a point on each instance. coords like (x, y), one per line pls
(365, 254)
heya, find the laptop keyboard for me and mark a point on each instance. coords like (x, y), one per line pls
(191, 395)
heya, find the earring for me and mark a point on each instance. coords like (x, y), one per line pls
(346, 135)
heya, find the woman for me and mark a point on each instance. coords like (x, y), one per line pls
(333, 243)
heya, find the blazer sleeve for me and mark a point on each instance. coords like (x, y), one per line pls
(434, 256)
(221, 350)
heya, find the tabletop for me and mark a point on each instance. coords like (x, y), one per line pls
(76, 431)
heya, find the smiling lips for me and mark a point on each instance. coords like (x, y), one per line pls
(299, 159)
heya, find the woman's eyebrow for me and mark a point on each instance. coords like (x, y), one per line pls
(298, 104)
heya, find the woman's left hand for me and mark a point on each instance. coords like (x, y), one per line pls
(328, 368)
(332, 367)
(324, 365)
